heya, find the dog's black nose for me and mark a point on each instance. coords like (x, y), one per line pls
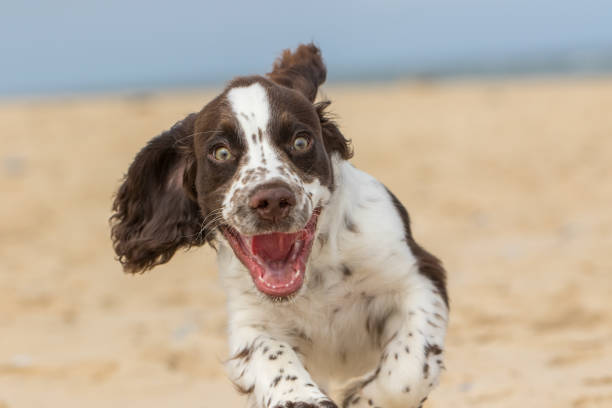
(272, 203)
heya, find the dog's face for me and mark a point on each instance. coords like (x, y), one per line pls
(252, 168)
(262, 168)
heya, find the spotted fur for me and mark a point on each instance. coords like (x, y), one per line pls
(373, 310)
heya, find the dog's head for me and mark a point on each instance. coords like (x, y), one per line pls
(253, 168)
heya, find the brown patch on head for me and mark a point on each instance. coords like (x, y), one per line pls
(291, 116)
(302, 70)
(216, 125)
(174, 184)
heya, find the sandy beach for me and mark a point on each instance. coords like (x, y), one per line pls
(509, 182)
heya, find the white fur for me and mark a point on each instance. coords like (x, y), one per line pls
(251, 107)
(326, 321)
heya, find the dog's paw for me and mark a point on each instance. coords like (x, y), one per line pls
(299, 404)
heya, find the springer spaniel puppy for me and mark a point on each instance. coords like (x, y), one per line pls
(323, 277)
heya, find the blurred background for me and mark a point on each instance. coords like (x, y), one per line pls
(489, 119)
(67, 46)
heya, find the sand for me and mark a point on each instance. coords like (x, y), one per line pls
(509, 182)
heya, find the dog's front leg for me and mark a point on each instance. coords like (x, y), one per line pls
(411, 359)
(271, 373)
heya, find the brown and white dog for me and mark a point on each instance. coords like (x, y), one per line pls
(317, 257)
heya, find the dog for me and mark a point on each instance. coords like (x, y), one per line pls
(324, 279)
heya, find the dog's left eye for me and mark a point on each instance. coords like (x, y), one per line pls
(222, 153)
(301, 143)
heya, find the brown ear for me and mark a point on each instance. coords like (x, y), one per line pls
(332, 137)
(153, 214)
(302, 70)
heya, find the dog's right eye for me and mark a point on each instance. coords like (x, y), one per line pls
(221, 153)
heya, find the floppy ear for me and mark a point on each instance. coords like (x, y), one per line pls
(333, 139)
(302, 70)
(155, 212)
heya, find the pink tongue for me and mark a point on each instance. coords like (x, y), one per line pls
(273, 247)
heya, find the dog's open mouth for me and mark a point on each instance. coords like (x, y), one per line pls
(277, 260)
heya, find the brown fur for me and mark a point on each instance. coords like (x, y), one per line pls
(429, 265)
(153, 214)
(172, 186)
(302, 70)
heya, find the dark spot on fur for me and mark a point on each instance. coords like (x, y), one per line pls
(346, 271)
(432, 349)
(243, 354)
(426, 370)
(275, 381)
(432, 324)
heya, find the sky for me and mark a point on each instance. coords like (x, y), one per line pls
(63, 46)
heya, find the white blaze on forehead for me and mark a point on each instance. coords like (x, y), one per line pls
(264, 163)
(251, 107)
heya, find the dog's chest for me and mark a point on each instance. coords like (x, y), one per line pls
(336, 324)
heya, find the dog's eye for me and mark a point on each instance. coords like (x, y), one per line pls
(301, 143)
(222, 153)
